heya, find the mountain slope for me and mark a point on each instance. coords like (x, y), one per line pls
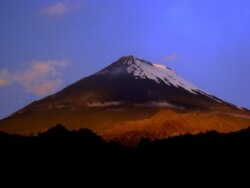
(130, 95)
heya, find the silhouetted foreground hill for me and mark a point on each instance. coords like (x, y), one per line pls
(85, 143)
(64, 153)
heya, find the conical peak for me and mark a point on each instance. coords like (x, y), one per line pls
(144, 70)
(130, 59)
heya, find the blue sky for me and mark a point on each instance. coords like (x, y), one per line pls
(47, 44)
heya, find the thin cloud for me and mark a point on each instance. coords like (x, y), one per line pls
(161, 104)
(105, 104)
(171, 57)
(39, 77)
(44, 88)
(60, 9)
(4, 81)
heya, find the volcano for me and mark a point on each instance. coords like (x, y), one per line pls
(129, 100)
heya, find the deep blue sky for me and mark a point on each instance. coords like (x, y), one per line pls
(47, 44)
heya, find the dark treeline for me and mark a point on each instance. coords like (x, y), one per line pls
(58, 154)
(58, 149)
(87, 144)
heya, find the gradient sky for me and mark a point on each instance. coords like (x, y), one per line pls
(47, 44)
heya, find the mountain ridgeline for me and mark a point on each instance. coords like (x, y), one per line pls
(129, 100)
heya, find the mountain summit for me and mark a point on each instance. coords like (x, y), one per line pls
(131, 98)
(134, 81)
(141, 69)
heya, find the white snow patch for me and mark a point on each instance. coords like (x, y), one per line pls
(214, 98)
(159, 73)
(160, 66)
(240, 108)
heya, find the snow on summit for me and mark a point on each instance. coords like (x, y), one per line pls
(159, 73)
